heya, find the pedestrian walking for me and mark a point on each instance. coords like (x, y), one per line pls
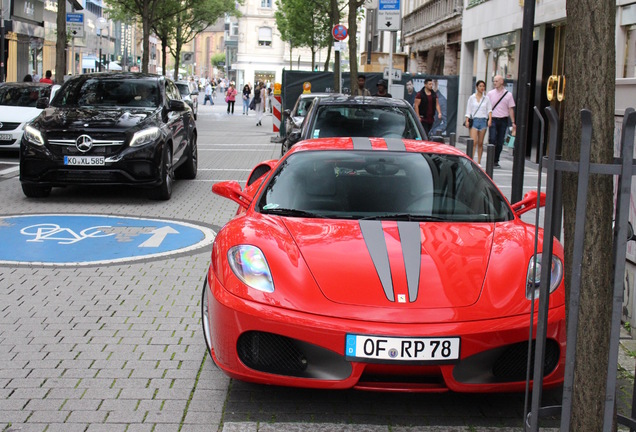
(246, 99)
(503, 114)
(478, 118)
(47, 77)
(426, 104)
(230, 98)
(208, 94)
(382, 86)
(259, 102)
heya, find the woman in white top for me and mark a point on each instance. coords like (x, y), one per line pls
(479, 110)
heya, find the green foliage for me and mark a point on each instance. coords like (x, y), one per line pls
(304, 24)
(217, 58)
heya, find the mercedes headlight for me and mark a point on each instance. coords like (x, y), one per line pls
(249, 264)
(533, 278)
(33, 135)
(145, 136)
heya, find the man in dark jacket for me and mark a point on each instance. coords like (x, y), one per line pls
(426, 104)
(382, 89)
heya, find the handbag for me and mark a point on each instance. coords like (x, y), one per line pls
(510, 140)
(253, 105)
(470, 119)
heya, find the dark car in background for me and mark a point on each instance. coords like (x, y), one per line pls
(110, 128)
(294, 117)
(190, 94)
(358, 116)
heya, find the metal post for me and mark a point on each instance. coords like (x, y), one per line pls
(453, 137)
(470, 145)
(490, 159)
(390, 60)
(523, 102)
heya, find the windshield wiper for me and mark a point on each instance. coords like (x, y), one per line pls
(279, 211)
(406, 217)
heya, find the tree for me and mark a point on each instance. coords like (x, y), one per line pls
(354, 6)
(60, 43)
(303, 29)
(590, 69)
(199, 16)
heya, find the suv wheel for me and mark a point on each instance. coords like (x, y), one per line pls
(35, 191)
(163, 192)
(189, 168)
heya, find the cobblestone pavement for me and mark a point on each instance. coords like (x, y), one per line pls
(119, 347)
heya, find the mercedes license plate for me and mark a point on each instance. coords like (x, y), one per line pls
(402, 349)
(6, 137)
(84, 160)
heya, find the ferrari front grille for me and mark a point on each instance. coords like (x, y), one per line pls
(267, 352)
(512, 363)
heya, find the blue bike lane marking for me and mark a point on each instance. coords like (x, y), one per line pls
(75, 240)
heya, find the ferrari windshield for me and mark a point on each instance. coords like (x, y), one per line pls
(364, 121)
(383, 185)
(99, 92)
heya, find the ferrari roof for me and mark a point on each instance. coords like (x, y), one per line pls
(361, 143)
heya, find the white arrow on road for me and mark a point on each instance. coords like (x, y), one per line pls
(158, 236)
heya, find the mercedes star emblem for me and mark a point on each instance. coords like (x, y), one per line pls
(84, 143)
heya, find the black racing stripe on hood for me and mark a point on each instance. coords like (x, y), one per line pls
(411, 240)
(395, 144)
(373, 235)
(361, 143)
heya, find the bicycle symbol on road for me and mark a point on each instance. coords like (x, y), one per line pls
(49, 231)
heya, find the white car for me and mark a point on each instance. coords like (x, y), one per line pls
(18, 106)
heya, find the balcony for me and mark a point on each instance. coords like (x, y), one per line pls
(430, 14)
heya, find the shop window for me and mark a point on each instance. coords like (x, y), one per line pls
(630, 53)
(266, 3)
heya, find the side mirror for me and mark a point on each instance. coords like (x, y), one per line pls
(294, 136)
(195, 93)
(232, 190)
(529, 202)
(177, 105)
(287, 112)
(437, 138)
(42, 103)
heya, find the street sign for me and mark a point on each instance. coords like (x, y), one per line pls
(371, 4)
(389, 15)
(396, 74)
(339, 32)
(75, 240)
(339, 46)
(75, 24)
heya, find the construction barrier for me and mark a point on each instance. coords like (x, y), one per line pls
(277, 107)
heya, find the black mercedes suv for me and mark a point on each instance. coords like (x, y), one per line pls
(110, 128)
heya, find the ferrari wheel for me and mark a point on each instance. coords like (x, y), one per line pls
(205, 320)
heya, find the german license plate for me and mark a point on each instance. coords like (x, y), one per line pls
(84, 160)
(6, 137)
(401, 349)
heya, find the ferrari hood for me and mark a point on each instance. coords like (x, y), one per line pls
(384, 263)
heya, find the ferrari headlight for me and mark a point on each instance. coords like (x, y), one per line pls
(145, 136)
(533, 279)
(249, 264)
(33, 135)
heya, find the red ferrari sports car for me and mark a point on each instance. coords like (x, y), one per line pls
(378, 264)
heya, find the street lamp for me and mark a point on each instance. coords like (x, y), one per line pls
(101, 23)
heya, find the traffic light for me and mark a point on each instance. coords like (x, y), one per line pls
(138, 60)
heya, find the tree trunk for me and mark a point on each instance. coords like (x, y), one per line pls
(590, 70)
(353, 44)
(146, 17)
(60, 43)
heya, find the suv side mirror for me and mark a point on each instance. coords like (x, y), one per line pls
(177, 105)
(437, 138)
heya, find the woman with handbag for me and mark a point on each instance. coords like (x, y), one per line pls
(478, 118)
(246, 99)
